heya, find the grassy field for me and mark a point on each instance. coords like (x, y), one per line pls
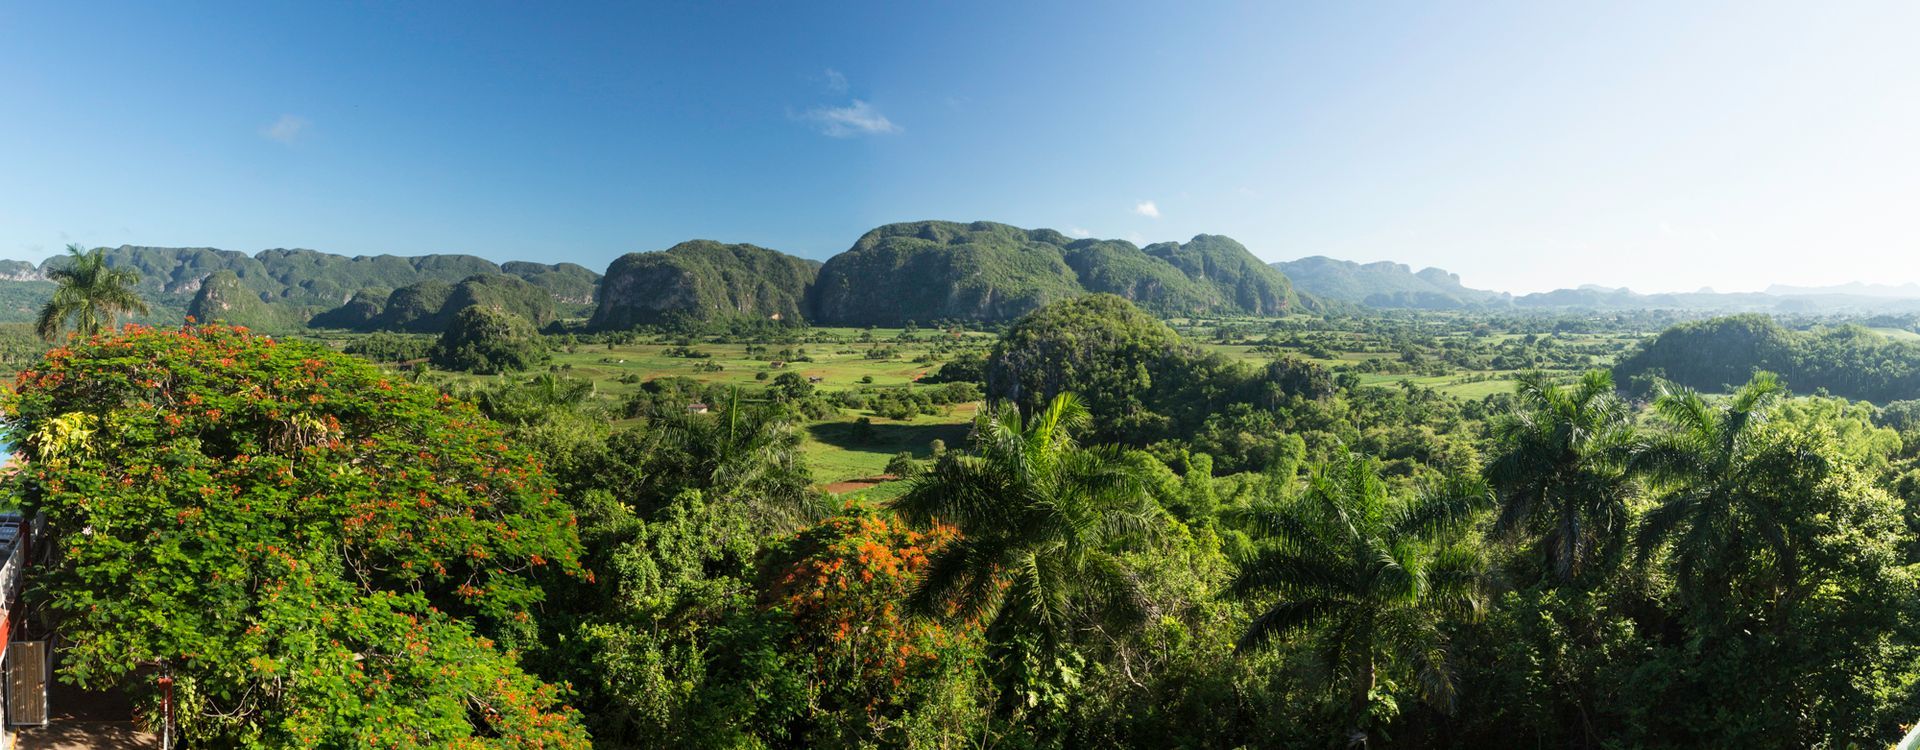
(837, 450)
(857, 445)
(843, 449)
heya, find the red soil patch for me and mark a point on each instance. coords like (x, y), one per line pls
(855, 485)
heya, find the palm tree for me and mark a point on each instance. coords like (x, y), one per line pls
(1039, 518)
(1560, 471)
(548, 389)
(1368, 575)
(741, 453)
(92, 295)
(1715, 505)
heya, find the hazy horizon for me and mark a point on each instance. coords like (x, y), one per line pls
(1525, 148)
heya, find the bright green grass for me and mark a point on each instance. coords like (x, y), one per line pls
(838, 450)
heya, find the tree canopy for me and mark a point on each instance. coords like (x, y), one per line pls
(318, 554)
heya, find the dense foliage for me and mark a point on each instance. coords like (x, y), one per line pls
(1446, 530)
(486, 341)
(316, 554)
(1712, 355)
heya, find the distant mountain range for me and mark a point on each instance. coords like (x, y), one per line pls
(925, 271)
(1387, 284)
(1397, 286)
(1908, 290)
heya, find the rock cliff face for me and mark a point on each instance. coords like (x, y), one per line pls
(937, 270)
(221, 297)
(20, 270)
(703, 280)
(361, 312)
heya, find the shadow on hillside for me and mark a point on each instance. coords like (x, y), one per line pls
(880, 437)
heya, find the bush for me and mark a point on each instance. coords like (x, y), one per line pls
(903, 464)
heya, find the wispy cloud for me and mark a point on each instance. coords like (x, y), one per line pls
(835, 81)
(1078, 232)
(1147, 209)
(287, 129)
(858, 118)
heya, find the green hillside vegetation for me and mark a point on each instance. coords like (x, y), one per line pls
(703, 280)
(507, 294)
(430, 306)
(937, 270)
(360, 313)
(307, 282)
(415, 308)
(572, 285)
(224, 298)
(20, 301)
(1233, 280)
(1850, 361)
(484, 340)
(1386, 285)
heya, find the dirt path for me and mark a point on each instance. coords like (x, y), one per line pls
(855, 485)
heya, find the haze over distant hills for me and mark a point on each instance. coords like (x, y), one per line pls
(1908, 290)
(1385, 284)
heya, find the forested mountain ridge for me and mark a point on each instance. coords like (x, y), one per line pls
(932, 270)
(1387, 284)
(305, 282)
(703, 280)
(923, 271)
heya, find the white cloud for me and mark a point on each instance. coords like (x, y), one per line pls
(1078, 232)
(858, 118)
(836, 81)
(287, 129)
(1147, 209)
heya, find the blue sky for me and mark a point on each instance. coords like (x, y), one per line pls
(1524, 145)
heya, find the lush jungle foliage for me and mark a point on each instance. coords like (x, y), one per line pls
(1138, 541)
(1713, 355)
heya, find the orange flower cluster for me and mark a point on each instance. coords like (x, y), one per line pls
(842, 583)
